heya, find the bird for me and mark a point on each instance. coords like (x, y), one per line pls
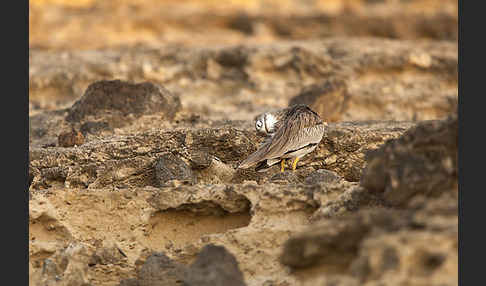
(298, 131)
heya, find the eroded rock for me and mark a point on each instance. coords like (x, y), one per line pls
(116, 100)
(378, 79)
(372, 246)
(421, 161)
(200, 160)
(328, 99)
(159, 269)
(126, 204)
(128, 161)
(170, 167)
(107, 253)
(287, 177)
(214, 266)
(68, 266)
(216, 173)
(322, 175)
(95, 127)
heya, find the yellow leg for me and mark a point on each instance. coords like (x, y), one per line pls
(282, 165)
(294, 165)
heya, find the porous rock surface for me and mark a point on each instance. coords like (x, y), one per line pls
(344, 79)
(422, 160)
(415, 246)
(107, 190)
(136, 129)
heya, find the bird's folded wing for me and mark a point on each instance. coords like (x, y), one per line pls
(290, 140)
(281, 143)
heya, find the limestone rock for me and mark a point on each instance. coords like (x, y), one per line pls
(94, 127)
(322, 175)
(200, 159)
(128, 160)
(287, 177)
(214, 266)
(68, 266)
(170, 167)
(160, 270)
(379, 246)
(422, 161)
(165, 102)
(374, 79)
(129, 282)
(328, 99)
(118, 99)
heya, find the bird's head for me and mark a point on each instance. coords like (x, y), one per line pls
(265, 123)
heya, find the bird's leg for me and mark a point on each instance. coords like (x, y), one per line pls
(294, 165)
(282, 165)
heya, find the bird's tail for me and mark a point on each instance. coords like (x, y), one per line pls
(263, 166)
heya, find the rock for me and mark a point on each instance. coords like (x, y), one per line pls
(287, 177)
(158, 178)
(68, 266)
(422, 161)
(131, 160)
(326, 246)
(160, 270)
(200, 160)
(218, 200)
(129, 282)
(369, 95)
(252, 220)
(170, 167)
(328, 99)
(322, 175)
(344, 145)
(374, 246)
(94, 127)
(385, 79)
(214, 266)
(107, 253)
(44, 128)
(350, 198)
(217, 173)
(70, 139)
(118, 99)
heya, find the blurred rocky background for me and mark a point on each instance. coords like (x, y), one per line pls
(140, 111)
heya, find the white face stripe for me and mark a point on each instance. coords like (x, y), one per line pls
(270, 121)
(265, 125)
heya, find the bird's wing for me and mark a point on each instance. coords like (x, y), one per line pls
(289, 138)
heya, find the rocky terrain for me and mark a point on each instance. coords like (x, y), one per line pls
(138, 121)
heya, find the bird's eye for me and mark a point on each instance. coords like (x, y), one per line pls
(259, 124)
